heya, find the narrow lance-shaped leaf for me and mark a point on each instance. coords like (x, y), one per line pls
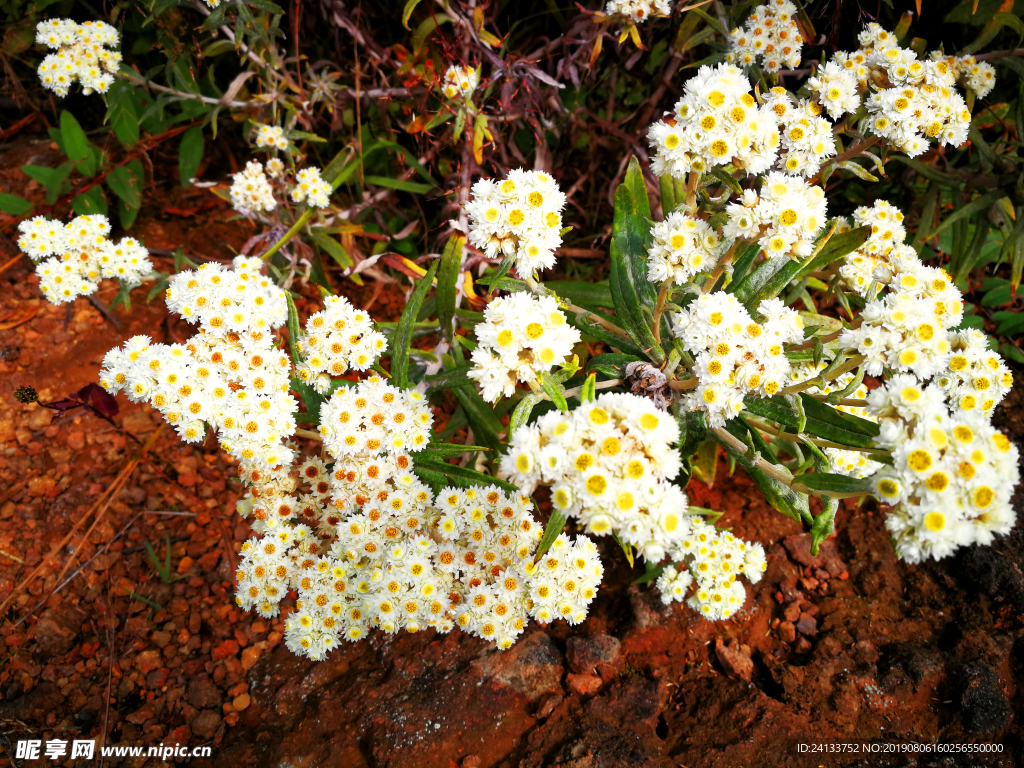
(447, 283)
(403, 333)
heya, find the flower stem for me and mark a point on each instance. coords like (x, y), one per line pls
(659, 308)
(850, 364)
(720, 267)
(299, 223)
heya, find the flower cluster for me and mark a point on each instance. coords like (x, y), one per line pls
(785, 218)
(771, 37)
(638, 11)
(72, 258)
(374, 417)
(682, 246)
(733, 355)
(873, 261)
(906, 330)
(460, 81)
(224, 301)
(521, 336)
(807, 139)
(909, 101)
(976, 378)
(311, 188)
(835, 87)
(386, 554)
(519, 217)
(716, 122)
(952, 474)
(611, 462)
(250, 190)
(979, 77)
(83, 53)
(337, 338)
(271, 136)
(714, 559)
(228, 377)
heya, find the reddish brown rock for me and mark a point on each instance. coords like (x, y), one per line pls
(583, 685)
(589, 654)
(56, 630)
(735, 659)
(205, 724)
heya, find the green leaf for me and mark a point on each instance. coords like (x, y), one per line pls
(630, 231)
(482, 418)
(633, 233)
(76, 145)
(555, 392)
(652, 574)
(310, 397)
(783, 498)
(335, 249)
(693, 429)
(982, 203)
(461, 476)
(611, 364)
(447, 283)
(51, 178)
(403, 333)
(588, 390)
(14, 205)
(410, 6)
(122, 113)
(399, 184)
(551, 532)
(706, 462)
(92, 201)
(126, 185)
(424, 30)
(825, 421)
(437, 451)
(522, 411)
(449, 379)
(190, 154)
(587, 295)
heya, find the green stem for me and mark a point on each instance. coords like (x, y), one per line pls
(299, 224)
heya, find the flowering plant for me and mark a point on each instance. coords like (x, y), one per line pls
(820, 353)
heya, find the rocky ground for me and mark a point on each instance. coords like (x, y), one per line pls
(846, 646)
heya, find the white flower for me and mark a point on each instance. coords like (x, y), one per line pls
(272, 137)
(683, 246)
(519, 217)
(975, 378)
(521, 336)
(807, 139)
(460, 82)
(311, 188)
(610, 463)
(785, 218)
(373, 418)
(336, 339)
(881, 251)
(952, 474)
(836, 89)
(734, 355)
(716, 122)
(250, 190)
(84, 52)
(638, 11)
(80, 255)
(770, 37)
